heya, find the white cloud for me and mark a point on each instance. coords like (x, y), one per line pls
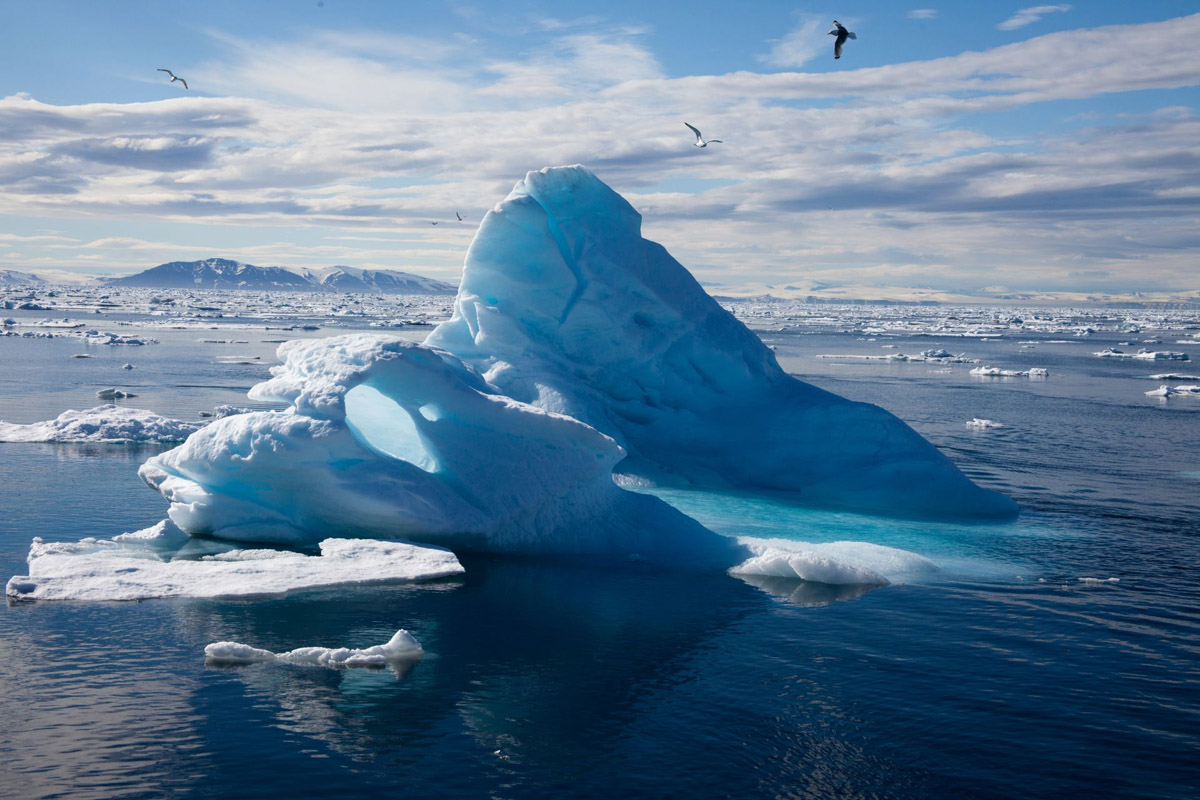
(923, 13)
(1028, 16)
(883, 180)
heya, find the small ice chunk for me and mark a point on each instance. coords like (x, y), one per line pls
(127, 366)
(858, 563)
(1098, 581)
(403, 646)
(980, 424)
(113, 394)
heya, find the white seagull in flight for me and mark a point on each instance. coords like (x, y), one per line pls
(839, 30)
(700, 141)
(174, 77)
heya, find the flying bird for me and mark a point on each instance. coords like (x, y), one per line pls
(458, 215)
(839, 30)
(700, 141)
(174, 77)
(433, 223)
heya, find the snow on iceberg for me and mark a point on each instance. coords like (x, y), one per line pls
(135, 567)
(403, 646)
(387, 438)
(101, 424)
(563, 305)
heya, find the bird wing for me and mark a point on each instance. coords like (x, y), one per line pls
(718, 141)
(851, 35)
(181, 80)
(699, 138)
(172, 74)
(833, 32)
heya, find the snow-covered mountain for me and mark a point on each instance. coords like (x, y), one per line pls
(386, 281)
(10, 277)
(224, 273)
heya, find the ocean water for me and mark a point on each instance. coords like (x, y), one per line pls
(1001, 675)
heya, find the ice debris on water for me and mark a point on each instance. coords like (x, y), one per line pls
(112, 393)
(980, 424)
(403, 646)
(1098, 581)
(996, 372)
(107, 423)
(1147, 355)
(1183, 390)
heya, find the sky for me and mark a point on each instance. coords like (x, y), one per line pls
(958, 146)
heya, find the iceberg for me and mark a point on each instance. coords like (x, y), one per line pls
(564, 306)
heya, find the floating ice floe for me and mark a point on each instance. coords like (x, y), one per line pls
(1098, 581)
(103, 337)
(853, 563)
(996, 372)
(1184, 390)
(1174, 376)
(101, 424)
(113, 394)
(1148, 355)
(980, 424)
(139, 566)
(401, 647)
(937, 356)
(220, 412)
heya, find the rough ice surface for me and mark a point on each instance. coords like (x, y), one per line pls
(101, 424)
(401, 647)
(997, 372)
(857, 563)
(138, 566)
(1184, 390)
(388, 438)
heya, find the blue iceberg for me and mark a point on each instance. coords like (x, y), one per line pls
(578, 351)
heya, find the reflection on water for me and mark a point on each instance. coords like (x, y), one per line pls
(806, 594)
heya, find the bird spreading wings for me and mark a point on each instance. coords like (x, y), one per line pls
(700, 140)
(174, 77)
(839, 30)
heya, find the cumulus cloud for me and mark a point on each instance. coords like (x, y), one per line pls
(886, 177)
(1028, 16)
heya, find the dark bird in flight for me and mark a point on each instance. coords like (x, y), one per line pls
(433, 223)
(839, 30)
(174, 77)
(458, 215)
(700, 140)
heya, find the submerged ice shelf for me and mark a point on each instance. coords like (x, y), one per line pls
(577, 349)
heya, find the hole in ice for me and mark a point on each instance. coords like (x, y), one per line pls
(381, 424)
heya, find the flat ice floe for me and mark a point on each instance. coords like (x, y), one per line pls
(980, 424)
(401, 647)
(1185, 390)
(1143, 354)
(996, 372)
(101, 424)
(135, 567)
(939, 356)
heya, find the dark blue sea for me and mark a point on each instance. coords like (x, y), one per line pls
(1004, 675)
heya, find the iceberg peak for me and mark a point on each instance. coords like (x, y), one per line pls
(565, 306)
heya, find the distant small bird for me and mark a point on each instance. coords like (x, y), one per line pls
(839, 30)
(174, 77)
(433, 223)
(700, 141)
(458, 215)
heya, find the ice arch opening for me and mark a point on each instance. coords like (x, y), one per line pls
(382, 425)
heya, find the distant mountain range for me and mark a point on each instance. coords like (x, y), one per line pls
(10, 277)
(223, 273)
